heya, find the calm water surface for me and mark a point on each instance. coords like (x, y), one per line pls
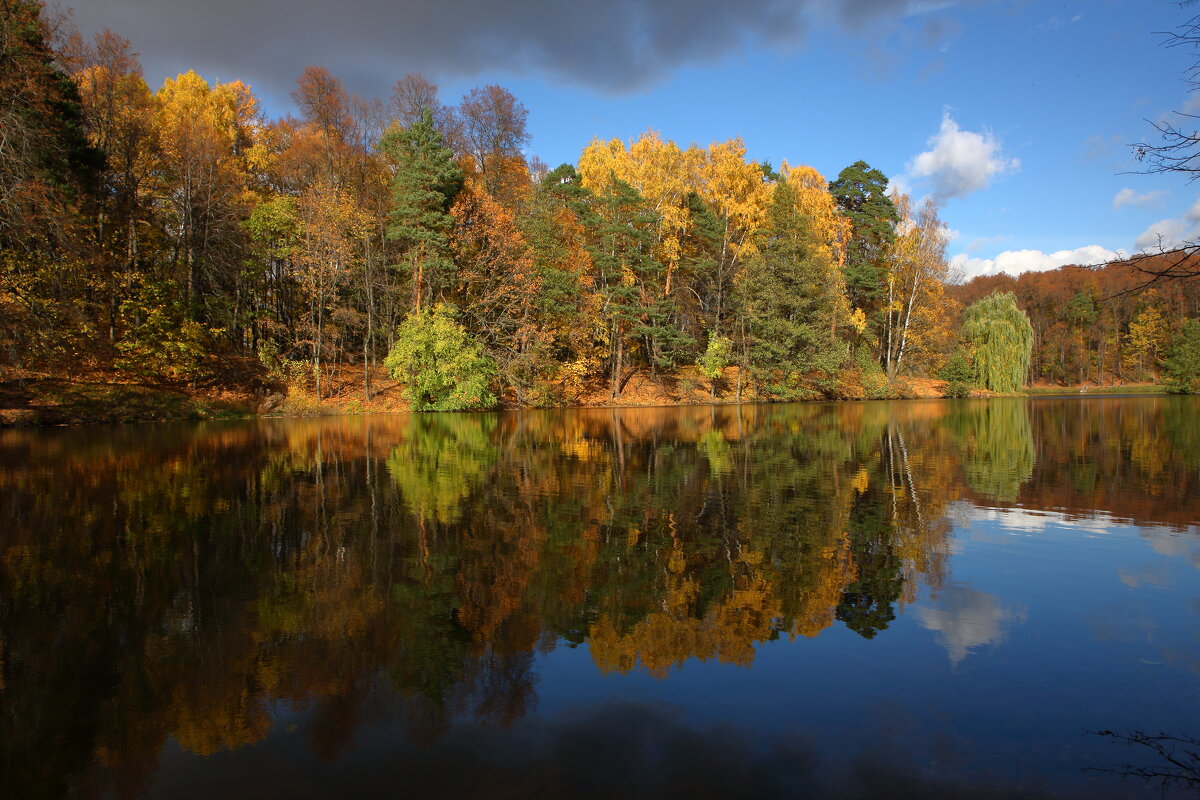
(920, 599)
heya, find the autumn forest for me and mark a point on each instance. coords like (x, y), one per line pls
(178, 236)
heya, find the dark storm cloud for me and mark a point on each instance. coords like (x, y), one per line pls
(611, 45)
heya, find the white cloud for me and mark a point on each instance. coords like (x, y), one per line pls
(1014, 262)
(1167, 542)
(1166, 234)
(1152, 577)
(1055, 23)
(1191, 106)
(1129, 197)
(966, 618)
(1023, 520)
(959, 162)
(1020, 521)
(1171, 232)
(899, 185)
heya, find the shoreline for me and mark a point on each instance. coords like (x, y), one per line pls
(42, 402)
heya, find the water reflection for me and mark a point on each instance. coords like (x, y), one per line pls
(996, 442)
(967, 618)
(199, 584)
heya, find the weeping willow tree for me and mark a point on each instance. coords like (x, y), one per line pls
(1002, 340)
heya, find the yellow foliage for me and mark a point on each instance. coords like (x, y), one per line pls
(660, 171)
(736, 192)
(664, 174)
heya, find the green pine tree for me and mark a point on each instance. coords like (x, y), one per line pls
(627, 272)
(424, 185)
(861, 193)
(783, 300)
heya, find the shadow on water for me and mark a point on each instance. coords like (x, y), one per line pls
(620, 750)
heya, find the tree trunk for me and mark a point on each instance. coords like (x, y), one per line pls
(368, 338)
(616, 376)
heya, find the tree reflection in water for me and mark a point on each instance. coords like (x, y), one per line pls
(195, 583)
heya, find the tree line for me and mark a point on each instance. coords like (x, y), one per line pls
(1100, 325)
(180, 235)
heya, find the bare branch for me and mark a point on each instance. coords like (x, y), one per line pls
(1177, 148)
(1177, 759)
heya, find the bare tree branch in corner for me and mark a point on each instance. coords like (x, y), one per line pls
(1177, 150)
(1176, 759)
(1166, 264)
(1178, 146)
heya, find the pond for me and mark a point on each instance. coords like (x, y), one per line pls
(909, 599)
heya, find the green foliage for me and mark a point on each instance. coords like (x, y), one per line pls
(550, 247)
(785, 302)
(159, 340)
(46, 157)
(1001, 339)
(716, 357)
(716, 449)
(1182, 365)
(1081, 310)
(286, 371)
(871, 375)
(629, 276)
(997, 446)
(441, 462)
(274, 228)
(861, 192)
(425, 182)
(565, 187)
(444, 368)
(959, 375)
(700, 263)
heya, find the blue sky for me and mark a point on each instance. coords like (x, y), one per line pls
(1015, 116)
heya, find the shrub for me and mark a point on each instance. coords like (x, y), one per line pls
(444, 368)
(715, 360)
(159, 341)
(874, 379)
(959, 376)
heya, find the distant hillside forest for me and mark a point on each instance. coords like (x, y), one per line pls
(1098, 325)
(180, 237)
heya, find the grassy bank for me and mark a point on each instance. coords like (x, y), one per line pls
(32, 400)
(29, 399)
(1133, 388)
(50, 401)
